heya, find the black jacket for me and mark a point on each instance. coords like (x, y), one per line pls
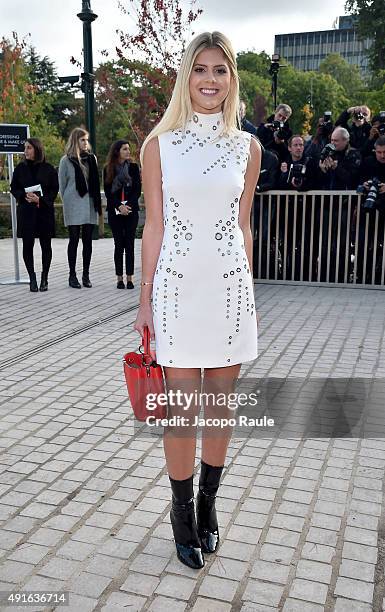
(371, 168)
(247, 126)
(358, 134)
(269, 172)
(35, 221)
(266, 136)
(346, 175)
(310, 179)
(131, 194)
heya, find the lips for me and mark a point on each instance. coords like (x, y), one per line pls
(209, 92)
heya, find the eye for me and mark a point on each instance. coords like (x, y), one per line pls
(198, 69)
(222, 70)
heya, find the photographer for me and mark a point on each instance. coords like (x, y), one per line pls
(246, 125)
(359, 128)
(275, 133)
(298, 172)
(340, 167)
(377, 130)
(339, 162)
(373, 188)
(322, 136)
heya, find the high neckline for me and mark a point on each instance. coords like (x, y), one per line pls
(210, 123)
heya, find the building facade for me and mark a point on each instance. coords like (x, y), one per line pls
(306, 50)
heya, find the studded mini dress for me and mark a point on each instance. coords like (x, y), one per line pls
(203, 298)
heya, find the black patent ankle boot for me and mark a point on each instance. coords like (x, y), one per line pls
(183, 522)
(44, 281)
(33, 283)
(207, 521)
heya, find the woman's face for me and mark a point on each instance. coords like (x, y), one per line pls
(29, 151)
(209, 81)
(124, 152)
(83, 143)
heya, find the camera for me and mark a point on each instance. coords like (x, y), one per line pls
(359, 115)
(328, 151)
(297, 172)
(280, 129)
(371, 199)
(326, 127)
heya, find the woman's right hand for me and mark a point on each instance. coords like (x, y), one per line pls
(144, 317)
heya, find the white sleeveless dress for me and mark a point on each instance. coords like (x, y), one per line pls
(203, 299)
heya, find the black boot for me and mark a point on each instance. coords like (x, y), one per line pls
(183, 523)
(86, 280)
(44, 281)
(33, 283)
(73, 282)
(206, 513)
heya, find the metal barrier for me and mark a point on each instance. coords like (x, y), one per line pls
(317, 237)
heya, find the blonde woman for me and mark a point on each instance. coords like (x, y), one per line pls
(80, 192)
(199, 176)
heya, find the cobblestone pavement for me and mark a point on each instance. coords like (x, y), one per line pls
(85, 498)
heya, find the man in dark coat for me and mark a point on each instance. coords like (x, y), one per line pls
(275, 133)
(356, 120)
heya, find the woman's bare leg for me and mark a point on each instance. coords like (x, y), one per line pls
(215, 440)
(180, 442)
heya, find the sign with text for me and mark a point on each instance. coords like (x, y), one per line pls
(13, 137)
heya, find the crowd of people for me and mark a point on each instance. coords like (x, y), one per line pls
(35, 185)
(347, 154)
(337, 157)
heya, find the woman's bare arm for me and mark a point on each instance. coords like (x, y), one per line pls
(153, 230)
(247, 198)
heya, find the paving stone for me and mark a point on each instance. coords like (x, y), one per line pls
(140, 584)
(357, 569)
(224, 589)
(160, 603)
(179, 587)
(277, 554)
(62, 569)
(149, 564)
(314, 571)
(263, 593)
(90, 585)
(359, 552)
(354, 589)
(271, 572)
(308, 591)
(348, 605)
(203, 604)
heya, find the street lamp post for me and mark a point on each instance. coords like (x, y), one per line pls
(87, 17)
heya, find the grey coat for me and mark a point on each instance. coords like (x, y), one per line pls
(76, 210)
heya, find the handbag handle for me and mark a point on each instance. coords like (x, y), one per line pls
(146, 340)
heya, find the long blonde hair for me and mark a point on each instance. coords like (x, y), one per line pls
(72, 147)
(180, 110)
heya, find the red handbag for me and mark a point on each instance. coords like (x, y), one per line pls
(143, 377)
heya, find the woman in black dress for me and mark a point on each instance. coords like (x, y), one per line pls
(35, 210)
(122, 187)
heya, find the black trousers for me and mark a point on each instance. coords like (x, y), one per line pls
(74, 236)
(46, 254)
(123, 230)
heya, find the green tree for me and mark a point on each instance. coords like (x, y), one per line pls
(344, 73)
(298, 88)
(256, 63)
(370, 16)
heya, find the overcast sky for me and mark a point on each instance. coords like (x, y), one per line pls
(250, 24)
